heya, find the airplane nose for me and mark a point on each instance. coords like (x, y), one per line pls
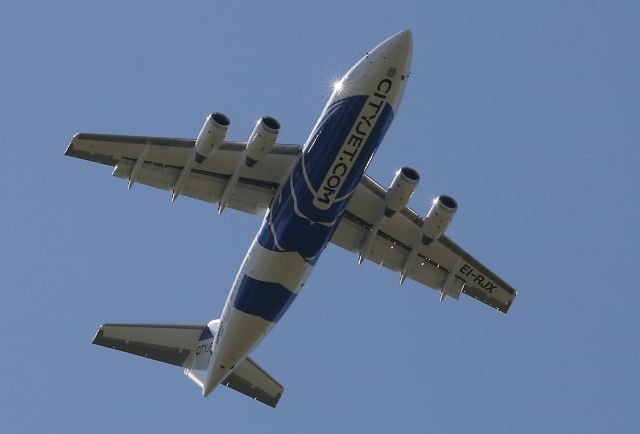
(392, 56)
(404, 39)
(399, 44)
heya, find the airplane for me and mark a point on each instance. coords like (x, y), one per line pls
(311, 195)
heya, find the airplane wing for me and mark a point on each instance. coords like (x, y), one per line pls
(175, 344)
(162, 161)
(442, 265)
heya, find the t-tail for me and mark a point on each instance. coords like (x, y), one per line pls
(190, 347)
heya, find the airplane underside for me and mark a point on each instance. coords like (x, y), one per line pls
(313, 195)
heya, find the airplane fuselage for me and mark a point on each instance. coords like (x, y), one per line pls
(306, 211)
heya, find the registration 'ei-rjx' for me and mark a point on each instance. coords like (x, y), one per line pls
(311, 195)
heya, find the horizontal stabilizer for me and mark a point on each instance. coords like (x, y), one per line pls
(186, 346)
(250, 379)
(168, 343)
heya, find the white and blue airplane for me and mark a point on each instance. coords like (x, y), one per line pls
(310, 195)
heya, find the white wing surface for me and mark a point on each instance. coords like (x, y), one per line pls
(441, 265)
(163, 159)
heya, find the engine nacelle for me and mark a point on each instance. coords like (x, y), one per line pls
(261, 140)
(438, 218)
(400, 190)
(211, 136)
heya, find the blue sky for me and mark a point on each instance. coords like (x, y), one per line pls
(526, 112)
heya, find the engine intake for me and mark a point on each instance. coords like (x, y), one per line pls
(400, 190)
(211, 136)
(261, 140)
(438, 219)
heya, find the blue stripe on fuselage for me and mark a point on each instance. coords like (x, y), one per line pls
(264, 299)
(293, 223)
(329, 136)
(284, 230)
(294, 232)
(319, 158)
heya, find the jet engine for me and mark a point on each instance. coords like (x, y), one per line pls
(400, 190)
(438, 218)
(262, 139)
(211, 136)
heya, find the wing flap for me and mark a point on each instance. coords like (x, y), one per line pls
(250, 196)
(387, 251)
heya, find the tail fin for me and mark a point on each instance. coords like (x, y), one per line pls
(188, 346)
(202, 352)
